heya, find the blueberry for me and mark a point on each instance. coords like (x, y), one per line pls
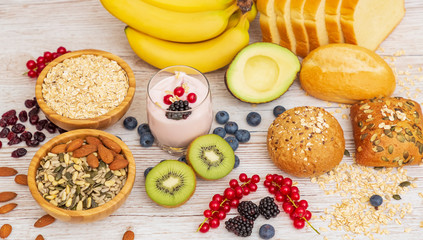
(278, 110)
(220, 131)
(130, 123)
(231, 127)
(222, 117)
(236, 161)
(143, 128)
(242, 135)
(253, 119)
(183, 159)
(147, 139)
(147, 171)
(232, 142)
(267, 231)
(376, 200)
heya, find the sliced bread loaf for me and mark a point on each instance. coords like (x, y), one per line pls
(283, 22)
(368, 22)
(314, 22)
(297, 22)
(333, 21)
(269, 30)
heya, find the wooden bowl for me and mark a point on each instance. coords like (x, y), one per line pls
(82, 216)
(99, 122)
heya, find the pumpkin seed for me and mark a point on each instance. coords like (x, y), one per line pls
(58, 176)
(363, 136)
(378, 168)
(347, 153)
(400, 138)
(385, 159)
(405, 184)
(360, 124)
(408, 132)
(405, 154)
(370, 126)
(385, 118)
(416, 114)
(109, 175)
(410, 103)
(396, 197)
(102, 164)
(379, 148)
(390, 149)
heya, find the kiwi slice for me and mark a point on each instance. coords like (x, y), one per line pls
(211, 157)
(170, 183)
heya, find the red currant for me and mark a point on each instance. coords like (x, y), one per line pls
(278, 179)
(267, 183)
(234, 203)
(303, 203)
(245, 190)
(233, 183)
(229, 193)
(300, 211)
(55, 55)
(214, 223)
(31, 64)
(288, 207)
(221, 215)
(204, 227)
(287, 182)
(294, 196)
(41, 67)
(279, 197)
(299, 223)
(238, 192)
(214, 205)
(226, 207)
(179, 91)
(285, 190)
(207, 213)
(272, 189)
(61, 50)
(191, 98)
(269, 177)
(307, 215)
(295, 189)
(243, 177)
(32, 74)
(166, 99)
(252, 187)
(40, 60)
(293, 215)
(218, 198)
(255, 178)
(48, 56)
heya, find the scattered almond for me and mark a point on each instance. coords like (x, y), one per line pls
(129, 235)
(75, 144)
(5, 231)
(44, 221)
(7, 208)
(110, 144)
(21, 179)
(7, 196)
(93, 140)
(7, 171)
(84, 150)
(105, 154)
(92, 161)
(61, 148)
(119, 163)
(39, 237)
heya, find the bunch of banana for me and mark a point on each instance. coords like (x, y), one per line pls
(204, 34)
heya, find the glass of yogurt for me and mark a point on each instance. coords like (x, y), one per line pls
(179, 107)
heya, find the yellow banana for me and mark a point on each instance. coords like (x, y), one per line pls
(191, 5)
(205, 56)
(235, 17)
(170, 25)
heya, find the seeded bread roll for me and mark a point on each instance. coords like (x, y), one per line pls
(387, 132)
(305, 141)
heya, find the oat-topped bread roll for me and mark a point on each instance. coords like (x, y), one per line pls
(305, 141)
(387, 132)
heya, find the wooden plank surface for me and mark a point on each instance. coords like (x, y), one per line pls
(30, 27)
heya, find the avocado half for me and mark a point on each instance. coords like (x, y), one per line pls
(261, 72)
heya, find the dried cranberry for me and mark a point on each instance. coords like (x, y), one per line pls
(29, 103)
(4, 132)
(32, 143)
(41, 124)
(9, 114)
(26, 136)
(39, 136)
(3, 122)
(15, 140)
(20, 152)
(18, 128)
(11, 135)
(51, 127)
(33, 119)
(33, 111)
(11, 120)
(23, 116)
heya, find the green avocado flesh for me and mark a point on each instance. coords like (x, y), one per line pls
(262, 72)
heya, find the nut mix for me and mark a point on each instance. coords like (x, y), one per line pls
(83, 178)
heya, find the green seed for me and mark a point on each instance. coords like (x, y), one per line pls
(379, 168)
(390, 149)
(109, 175)
(58, 176)
(405, 154)
(405, 184)
(385, 159)
(347, 153)
(396, 197)
(363, 136)
(401, 138)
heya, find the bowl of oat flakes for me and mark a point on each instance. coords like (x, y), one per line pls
(82, 175)
(85, 89)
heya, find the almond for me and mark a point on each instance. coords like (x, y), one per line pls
(5, 231)
(7, 171)
(92, 161)
(39, 237)
(21, 179)
(75, 144)
(61, 148)
(111, 144)
(84, 150)
(119, 163)
(7, 196)
(105, 154)
(44, 221)
(7, 208)
(129, 235)
(93, 140)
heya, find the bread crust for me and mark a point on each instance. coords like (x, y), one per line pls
(387, 132)
(333, 21)
(305, 141)
(283, 22)
(316, 31)
(298, 27)
(269, 30)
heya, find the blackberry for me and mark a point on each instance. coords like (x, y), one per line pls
(268, 208)
(249, 210)
(240, 225)
(179, 106)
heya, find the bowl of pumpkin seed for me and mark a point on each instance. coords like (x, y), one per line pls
(82, 175)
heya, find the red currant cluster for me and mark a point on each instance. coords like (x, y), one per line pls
(179, 92)
(35, 67)
(290, 197)
(220, 205)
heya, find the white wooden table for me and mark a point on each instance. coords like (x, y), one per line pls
(30, 27)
